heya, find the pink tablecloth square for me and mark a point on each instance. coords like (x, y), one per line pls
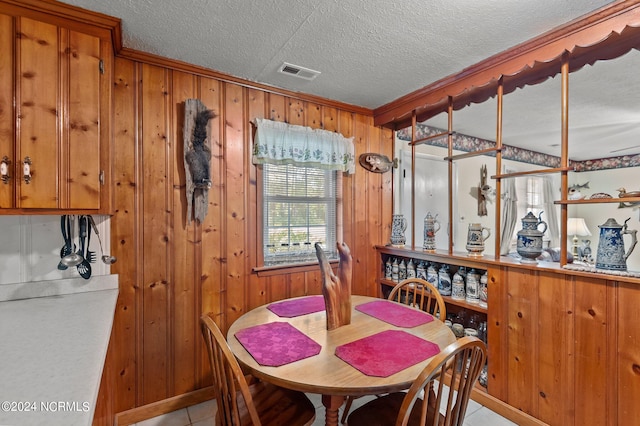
(386, 353)
(297, 307)
(395, 314)
(277, 343)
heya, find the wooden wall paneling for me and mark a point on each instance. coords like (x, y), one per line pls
(156, 193)
(83, 58)
(497, 332)
(386, 196)
(374, 207)
(296, 112)
(211, 279)
(234, 222)
(296, 284)
(362, 271)
(314, 116)
(522, 290)
(346, 128)
(628, 349)
(186, 249)
(612, 355)
(591, 364)
(258, 106)
(329, 118)
(277, 107)
(555, 324)
(7, 113)
(38, 109)
(125, 349)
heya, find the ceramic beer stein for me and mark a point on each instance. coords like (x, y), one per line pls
(398, 226)
(611, 254)
(457, 287)
(475, 239)
(444, 280)
(431, 226)
(529, 244)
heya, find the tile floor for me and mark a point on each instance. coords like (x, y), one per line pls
(203, 415)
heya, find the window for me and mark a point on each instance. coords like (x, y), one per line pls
(300, 207)
(301, 198)
(531, 198)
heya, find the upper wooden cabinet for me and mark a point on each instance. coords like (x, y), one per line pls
(55, 97)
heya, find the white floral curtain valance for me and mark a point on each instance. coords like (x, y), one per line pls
(281, 143)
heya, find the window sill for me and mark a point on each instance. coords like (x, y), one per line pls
(267, 271)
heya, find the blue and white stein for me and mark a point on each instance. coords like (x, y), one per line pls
(611, 254)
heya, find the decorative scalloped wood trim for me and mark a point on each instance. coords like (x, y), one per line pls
(605, 34)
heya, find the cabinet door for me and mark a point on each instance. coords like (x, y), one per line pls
(58, 117)
(7, 115)
(83, 177)
(39, 118)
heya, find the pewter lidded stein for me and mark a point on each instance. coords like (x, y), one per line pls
(529, 244)
(611, 253)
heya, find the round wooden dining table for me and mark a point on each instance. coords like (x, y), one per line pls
(326, 373)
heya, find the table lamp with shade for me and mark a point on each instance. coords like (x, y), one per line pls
(577, 227)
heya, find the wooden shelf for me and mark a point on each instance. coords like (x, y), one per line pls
(600, 200)
(464, 304)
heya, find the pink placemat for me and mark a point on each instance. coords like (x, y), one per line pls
(277, 343)
(297, 307)
(395, 314)
(386, 353)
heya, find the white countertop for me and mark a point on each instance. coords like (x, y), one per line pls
(53, 348)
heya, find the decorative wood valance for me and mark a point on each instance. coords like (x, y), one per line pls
(607, 33)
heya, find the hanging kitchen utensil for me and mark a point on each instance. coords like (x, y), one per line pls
(84, 267)
(105, 257)
(75, 257)
(91, 255)
(66, 248)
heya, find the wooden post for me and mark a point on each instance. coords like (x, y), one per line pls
(336, 289)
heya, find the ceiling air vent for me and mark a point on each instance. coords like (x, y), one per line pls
(298, 71)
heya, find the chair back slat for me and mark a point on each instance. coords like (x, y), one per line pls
(459, 365)
(228, 378)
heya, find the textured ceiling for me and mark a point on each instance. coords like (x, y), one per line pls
(369, 52)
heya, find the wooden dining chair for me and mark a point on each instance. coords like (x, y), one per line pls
(421, 294)
(414, 292)
(242, 402)
(459, 364)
